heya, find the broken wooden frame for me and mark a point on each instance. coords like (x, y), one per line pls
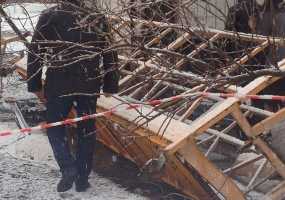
(195, 135)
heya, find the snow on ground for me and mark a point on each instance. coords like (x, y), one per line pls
(28, 180)
(29, 171)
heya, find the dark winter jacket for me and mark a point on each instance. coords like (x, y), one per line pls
(77, 57)
(272, 23)
(238, 21)
(238, 16)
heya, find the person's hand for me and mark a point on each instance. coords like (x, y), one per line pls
(41, 96)
(107, 94)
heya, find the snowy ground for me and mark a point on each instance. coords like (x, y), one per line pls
(28, 180)
(28, 171)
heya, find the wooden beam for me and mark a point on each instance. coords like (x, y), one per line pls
(191, 109)
(268, 123)
(209, 32)
(174, 172)
(189, 179)
(269, 154)
(208, 171)
(245, 58)
(173, 46)
(197, 50)
(221, 110)
(150, 65)
(203, 123)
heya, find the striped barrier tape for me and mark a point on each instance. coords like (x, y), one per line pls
(241, 96)
(127, 106)
(113, 110)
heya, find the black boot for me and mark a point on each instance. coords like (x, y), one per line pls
(66, 182)
(82, 184)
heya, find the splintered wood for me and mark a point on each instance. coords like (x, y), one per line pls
(210, 145)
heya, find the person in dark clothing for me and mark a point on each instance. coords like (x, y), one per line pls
(272, 23)
(241, 17)
(72, 44)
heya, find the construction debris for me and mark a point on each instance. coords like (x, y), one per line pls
(207, 147)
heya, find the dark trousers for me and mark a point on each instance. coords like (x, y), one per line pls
(57, 110)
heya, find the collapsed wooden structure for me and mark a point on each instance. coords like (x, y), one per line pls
(191, 144)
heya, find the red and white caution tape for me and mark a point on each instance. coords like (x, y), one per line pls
(113, 110)
(135, 106)
(241, 96)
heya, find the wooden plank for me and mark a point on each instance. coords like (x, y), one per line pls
(164, 69)
(192, 107)
(207, 32)
(268, 123)
(106, 136)
(262, 82)
(269, 154)
(174, 172)
(245, 58)
(203, 123)
(175, 128)
(223, 109)
(173, 46)
(277, 193)
(190, 181)
(11, 39)
(132, 76)
(155, 40)
(197, 50)
(208, 171)
(142, 67)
